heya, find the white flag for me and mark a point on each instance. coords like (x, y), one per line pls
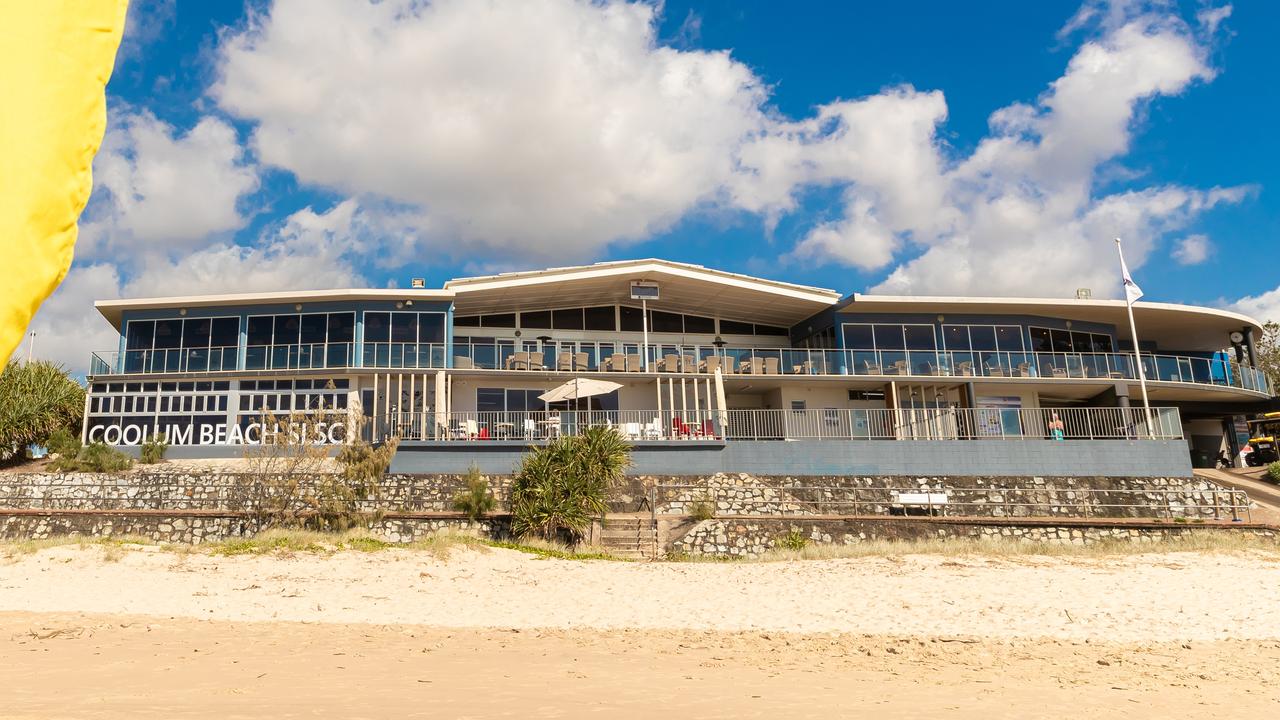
(1131, 290)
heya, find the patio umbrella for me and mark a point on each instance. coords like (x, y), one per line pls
(578, 388)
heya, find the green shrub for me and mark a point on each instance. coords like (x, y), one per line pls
(36, 399)
(476, 500)
(63, 443)
(153, 450)
(794, 540)
(96, 457)
(702, 509)
(563, 485)
(1273, 471)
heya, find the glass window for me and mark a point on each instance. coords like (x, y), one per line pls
(466, 320)
(286, 329)
(666, 322)
(632, 319)
(377, 327)
(342, 327)
(699, 324)
(225, 332)
(517, 401)
(490, 399)
(955, 337)
(1061, 340)
(888, 337)
(260, 330)
(570, 319)
(195, 332)
(920, 337)
(601, 318)
(506, 320)
(168, 333)
(1102, 343)
(859, 337)
(983, 337)
(1081, 342)
(140, 334)
(1040, 340)
(540, 320)
(430, 327)
(314, 327)
(1009, 338)
(404, 328)
(733, 327)
(771, 330)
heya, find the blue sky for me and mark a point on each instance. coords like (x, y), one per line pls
(912, 147)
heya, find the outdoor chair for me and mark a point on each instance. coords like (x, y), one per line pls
(579, 361)
(616, 362)
(869, 368)
(804, 368)
(632, 430)
(711, 363)
(671, 363)
(653, 430)
(1024, 370)
(462, 363)
(564, 362)
(1057, 372)
(530, 428)
(771, 366)
(995, 370)
(688, 364)
(899, 368)
(634, 364)
(965, 368)
(751, 366)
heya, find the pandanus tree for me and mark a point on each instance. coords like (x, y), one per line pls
(36, 399)
(561, 486)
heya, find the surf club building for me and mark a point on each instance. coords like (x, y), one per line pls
(703, 370)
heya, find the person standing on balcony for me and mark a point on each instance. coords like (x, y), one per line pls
(1057, 430)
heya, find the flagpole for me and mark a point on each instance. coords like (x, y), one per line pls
(1133, 333)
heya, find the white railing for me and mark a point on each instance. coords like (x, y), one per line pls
(759, 425)
(630, 357)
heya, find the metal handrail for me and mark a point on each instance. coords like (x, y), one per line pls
(934, 424)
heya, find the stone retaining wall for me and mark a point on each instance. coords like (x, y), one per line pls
(197, 529)
(748, 538)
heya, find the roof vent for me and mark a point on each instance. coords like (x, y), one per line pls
(1083, 293)
(418, 283)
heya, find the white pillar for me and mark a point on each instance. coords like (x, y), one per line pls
(373, 411)
(721, 406)
(442, 419)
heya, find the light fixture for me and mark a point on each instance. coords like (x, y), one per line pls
(409, 303)
(1236, 337)
(1068, 324)
(183, 311)
(298, 307)
(399, 305)
(942, 318)
(718, 342)
(517, 333)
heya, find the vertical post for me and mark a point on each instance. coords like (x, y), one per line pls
(644, 326)
(412, 394)
(84, 419)
(721, 408)
(373, 411)
(441, 420)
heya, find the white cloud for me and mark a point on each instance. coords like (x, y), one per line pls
(1264, 306)
(529, 128)
(1192, 250)
(1019, 215)
(309, 250)
(158, 189)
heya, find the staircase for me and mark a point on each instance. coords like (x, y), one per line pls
(627, 536)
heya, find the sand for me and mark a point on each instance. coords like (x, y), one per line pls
(503, 634)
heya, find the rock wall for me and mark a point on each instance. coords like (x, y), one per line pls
(751, 538)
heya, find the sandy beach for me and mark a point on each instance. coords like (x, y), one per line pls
(500, 633)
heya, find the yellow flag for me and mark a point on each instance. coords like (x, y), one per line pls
(55, 59)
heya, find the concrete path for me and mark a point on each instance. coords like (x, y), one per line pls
(1265, 494)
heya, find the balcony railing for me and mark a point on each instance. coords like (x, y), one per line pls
(404, 355)
(176, 360)
(826, 424)
(625, 357)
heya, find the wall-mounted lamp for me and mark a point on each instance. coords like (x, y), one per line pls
(183, 311)
(399, 305)
(942, 318)
(298, 307)
(1068, 324)
(409, 303)
(517, 333)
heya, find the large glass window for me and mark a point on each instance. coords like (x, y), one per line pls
(299, 341)
(600, 318)
(404, 339)
(1053, 340)
(570, 319)
(540, 320)
(181, 344)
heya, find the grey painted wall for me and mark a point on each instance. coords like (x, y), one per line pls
(1075, 458)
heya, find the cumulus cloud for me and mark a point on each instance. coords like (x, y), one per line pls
(1192, 250)
(1264, 306)
(156, 187)
(1022, 213)
(308, 251)
(529, 128)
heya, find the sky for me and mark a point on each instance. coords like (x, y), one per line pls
(926, 148)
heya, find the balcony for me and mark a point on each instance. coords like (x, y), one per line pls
(764, 425)
(627, 357)
(177, 360)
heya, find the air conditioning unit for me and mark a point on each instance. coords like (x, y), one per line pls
(418, 283)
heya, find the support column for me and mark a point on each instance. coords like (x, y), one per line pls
(722, 409)
(441, 418)
(1248, 343)
(373, 411)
